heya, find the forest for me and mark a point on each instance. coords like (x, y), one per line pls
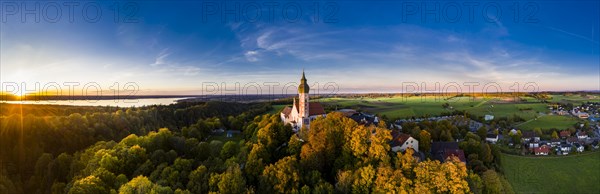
(167, 149)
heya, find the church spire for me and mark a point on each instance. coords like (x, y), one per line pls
(303, 87)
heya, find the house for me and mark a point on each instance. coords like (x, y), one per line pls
(533, 144)
(492, 138)
(530, 135)
(583, 115)
(489, 117)
(565, 148)
(578, 147)
(401, 142)
(364, 119)
(572, 140)
(543, 150)
(582, 135)
(302, 112)
(565, 134)
(442, 150)
(554, 142)
(513, 132)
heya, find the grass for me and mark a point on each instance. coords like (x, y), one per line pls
(565, 174)
(575, 99)
(403, 107)
(276, 109)
(550, 122)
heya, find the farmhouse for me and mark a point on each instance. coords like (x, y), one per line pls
(302, 111)
(401, 142)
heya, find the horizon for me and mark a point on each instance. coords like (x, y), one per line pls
(354, 47)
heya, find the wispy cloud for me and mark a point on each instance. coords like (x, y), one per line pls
(161, 57)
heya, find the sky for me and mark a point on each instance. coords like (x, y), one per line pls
(211, 47)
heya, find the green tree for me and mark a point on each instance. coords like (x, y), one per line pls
(482, 132)
(229, 182)
(281, 177)
(198, 180)
(486, 153)
(229, 149)
(90, 184)
(491, 182)
(538, 131)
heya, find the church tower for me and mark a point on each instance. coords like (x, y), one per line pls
(303, 99)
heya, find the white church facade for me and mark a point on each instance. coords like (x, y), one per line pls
(302, 111)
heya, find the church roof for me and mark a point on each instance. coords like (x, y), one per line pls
(314, 108)
(286, 111)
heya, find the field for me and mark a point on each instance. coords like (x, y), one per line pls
(549, 122)
(568, 174)
(276, 109)
(403, 107)
(574, 98)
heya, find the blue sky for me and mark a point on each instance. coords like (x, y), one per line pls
(174, 47)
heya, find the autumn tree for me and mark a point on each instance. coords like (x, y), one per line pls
(448, 177)
(425, 141)
(281, 177)
(554, 135)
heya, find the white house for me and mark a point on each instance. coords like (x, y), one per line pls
(582, 135)
(404, 141)
(565, 148)
(578, 147)
(492, 138)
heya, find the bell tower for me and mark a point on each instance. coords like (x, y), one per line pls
(303, 98)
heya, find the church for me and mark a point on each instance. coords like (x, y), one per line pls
(302, 110)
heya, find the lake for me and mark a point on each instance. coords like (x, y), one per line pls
(115, 102)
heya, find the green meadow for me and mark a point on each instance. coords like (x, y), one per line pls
(564, 174)
(549, 122)
(574, 98)
(403, 107)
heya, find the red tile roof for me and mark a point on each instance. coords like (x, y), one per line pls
(400, 139)
(314, 108)
(542, 149)
(286, 111)
(455, 152)
(565, 133)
